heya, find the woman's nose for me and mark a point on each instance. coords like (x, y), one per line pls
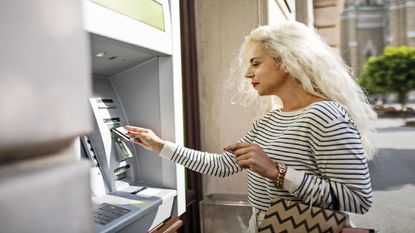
(249, 74)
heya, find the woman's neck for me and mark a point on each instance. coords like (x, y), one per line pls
(297, 98)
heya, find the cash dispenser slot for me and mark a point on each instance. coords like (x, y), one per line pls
(121, 172)
(114, 120)
(105, 101)
(106, 104)
(123, 152)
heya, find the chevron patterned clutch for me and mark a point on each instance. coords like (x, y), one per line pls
(285, 216)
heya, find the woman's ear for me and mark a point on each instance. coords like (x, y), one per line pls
(283, 67)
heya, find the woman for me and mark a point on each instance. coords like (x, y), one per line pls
(318, 139)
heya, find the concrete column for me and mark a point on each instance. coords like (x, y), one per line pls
(304, 12)
(394, 20)
(354, 50)
(219, 34)
(410, 23)
(344, 38)
(351, 48)
(349, 40)
(403, 23)
(327, 20)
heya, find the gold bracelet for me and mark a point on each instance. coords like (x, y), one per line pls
(282, 169)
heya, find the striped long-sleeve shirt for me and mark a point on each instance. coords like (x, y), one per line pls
(320, 146)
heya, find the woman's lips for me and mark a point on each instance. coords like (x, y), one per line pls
(254, 84)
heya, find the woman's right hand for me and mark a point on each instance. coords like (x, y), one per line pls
(146, 138)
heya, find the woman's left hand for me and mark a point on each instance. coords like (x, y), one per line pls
(251, 156)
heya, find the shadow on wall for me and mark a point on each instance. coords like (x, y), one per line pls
(392, 168)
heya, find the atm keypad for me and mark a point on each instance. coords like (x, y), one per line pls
(106, 213)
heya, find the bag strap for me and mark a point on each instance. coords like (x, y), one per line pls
(336, 204)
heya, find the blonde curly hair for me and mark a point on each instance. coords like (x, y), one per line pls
(317, 66)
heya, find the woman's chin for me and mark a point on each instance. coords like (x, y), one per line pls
(260, 93)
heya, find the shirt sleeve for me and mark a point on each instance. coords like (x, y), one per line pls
(343, 168)
(220, 165)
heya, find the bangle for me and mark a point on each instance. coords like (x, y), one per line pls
(282, 169)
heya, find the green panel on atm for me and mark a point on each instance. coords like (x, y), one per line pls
(146, 11)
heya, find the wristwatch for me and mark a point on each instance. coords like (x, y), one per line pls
(282, 169)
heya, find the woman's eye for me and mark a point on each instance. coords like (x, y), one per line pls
(255, 64)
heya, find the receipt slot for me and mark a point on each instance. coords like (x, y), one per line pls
(136, 77)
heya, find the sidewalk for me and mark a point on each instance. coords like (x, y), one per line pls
(393, 179)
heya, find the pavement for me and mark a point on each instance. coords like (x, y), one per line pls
(393, 179)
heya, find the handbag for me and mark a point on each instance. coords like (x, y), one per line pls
(286, 216)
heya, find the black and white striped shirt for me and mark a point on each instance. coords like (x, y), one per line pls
(319, 144)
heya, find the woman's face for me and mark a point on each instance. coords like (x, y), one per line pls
(267, 76)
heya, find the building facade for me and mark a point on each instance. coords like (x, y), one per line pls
(368, 26)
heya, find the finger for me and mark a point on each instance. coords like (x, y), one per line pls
(234, 147)
(141, 143)
(135, 128)
(138, 140)
(243, 157)
(245, 164)
(228, 150)
(242, 151)
(135, 133)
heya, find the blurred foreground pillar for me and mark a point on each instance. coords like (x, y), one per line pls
(44, 87)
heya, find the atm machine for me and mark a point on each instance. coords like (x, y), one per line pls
(136, 69)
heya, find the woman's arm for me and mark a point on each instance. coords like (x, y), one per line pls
(220, 165)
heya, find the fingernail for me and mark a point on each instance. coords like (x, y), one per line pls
(128, 132)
